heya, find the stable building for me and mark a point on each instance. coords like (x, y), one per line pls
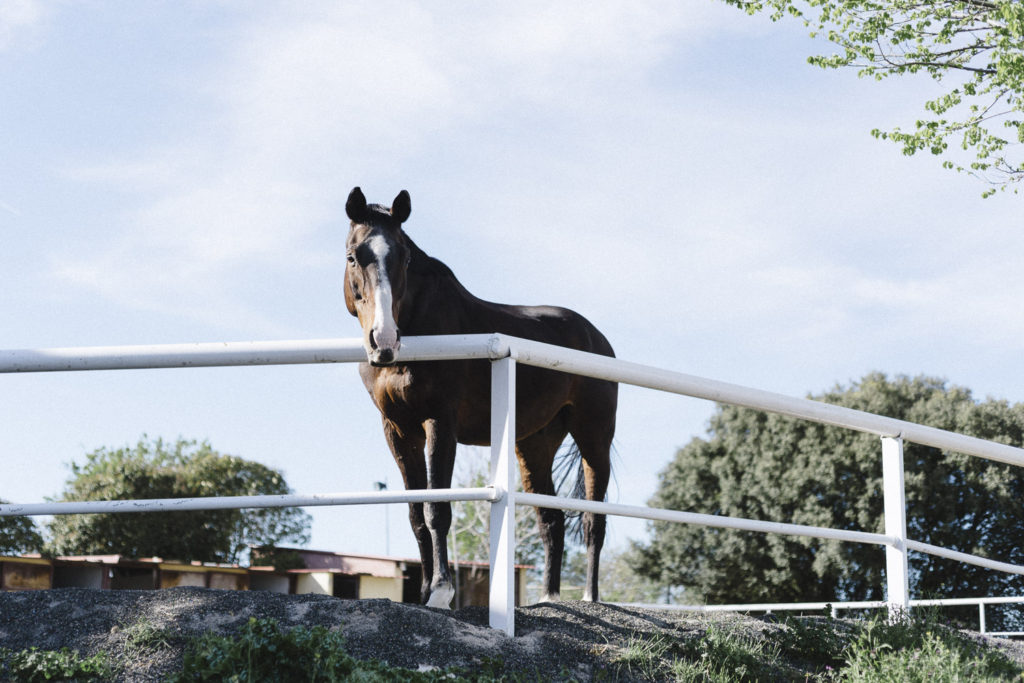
(342, 575)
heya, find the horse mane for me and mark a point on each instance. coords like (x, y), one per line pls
(426, 266)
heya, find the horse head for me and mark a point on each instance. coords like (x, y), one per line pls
(375, 272)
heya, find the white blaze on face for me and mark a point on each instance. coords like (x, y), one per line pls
(384, 329)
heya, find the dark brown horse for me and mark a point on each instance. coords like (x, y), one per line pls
(394, 288)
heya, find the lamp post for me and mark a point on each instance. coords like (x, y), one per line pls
(382, 486)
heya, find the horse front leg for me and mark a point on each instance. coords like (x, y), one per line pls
(440, 453)
(407, 448)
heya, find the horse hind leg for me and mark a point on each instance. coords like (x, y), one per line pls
(536, 455)
(594, 526)
(593, 437)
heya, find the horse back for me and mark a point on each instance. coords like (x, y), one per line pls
(547, 324)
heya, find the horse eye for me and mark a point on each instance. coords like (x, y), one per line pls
(351, 258)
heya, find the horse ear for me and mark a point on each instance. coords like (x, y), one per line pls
(401, 207)
(355, 207)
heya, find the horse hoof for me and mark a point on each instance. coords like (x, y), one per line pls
(441, 597)
(551, 597)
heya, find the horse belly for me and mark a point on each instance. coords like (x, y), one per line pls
(540, 396)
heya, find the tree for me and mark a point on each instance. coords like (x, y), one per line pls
(975, 48)
(19, 535)
(185, 469)
(470, 539)
(771, 467)
(471, 519)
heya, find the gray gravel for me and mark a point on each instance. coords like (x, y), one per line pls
(553, 641)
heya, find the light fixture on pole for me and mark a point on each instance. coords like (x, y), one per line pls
(383, 486)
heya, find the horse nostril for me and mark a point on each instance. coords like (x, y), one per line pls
(373, 342)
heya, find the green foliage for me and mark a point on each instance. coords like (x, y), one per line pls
(816, 642)
(770, 467)
(262, 652)
(817, 649)
(19, 535)
(719, 654)
(725, 655)
(921, 651)
(185, 469)
(642, 656)
(621, 582)
(34, 666)
(281, 559)
(143, 635)
(975, 48)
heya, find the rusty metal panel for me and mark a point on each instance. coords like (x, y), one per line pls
(170, 579)
(133, 578)
(21, 576)
(234, 581)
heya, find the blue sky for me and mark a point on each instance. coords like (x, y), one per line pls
(176, 172)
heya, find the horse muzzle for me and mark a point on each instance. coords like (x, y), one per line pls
(382, 358)
(383, 354)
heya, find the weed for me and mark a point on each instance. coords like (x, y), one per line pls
(816, 642)
(262, 652)
(643, 655)
(724, 655)
(921, 650)
(718, 655)
(144, 635)
(34, 665)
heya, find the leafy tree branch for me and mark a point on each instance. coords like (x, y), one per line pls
(977, 48)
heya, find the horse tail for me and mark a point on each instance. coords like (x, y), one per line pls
(570, 483)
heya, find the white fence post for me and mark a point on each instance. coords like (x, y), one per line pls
(982, 626)
(503, 510)
(897, 568)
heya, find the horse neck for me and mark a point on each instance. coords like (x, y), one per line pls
(435, 301)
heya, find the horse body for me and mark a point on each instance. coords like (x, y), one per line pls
(429, 407)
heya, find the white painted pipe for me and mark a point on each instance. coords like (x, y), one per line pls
(538, 500)
(762, 607)
(1001, 600)
(602, 367)
(245, 502)
(222, 354)
(449, 347)
(939, 551)
(812, 606)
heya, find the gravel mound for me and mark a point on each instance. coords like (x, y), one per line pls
(555, 640)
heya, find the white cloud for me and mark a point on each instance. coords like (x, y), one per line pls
(18, 18)
(308, 102)
(540, 120)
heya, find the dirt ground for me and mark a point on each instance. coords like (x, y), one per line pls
(553, 641)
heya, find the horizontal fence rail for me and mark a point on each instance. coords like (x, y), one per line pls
(227, 354)
(246, 502)
(494, 346)
(834, 607)
(504, 352)
(602, 367)
(699, 519)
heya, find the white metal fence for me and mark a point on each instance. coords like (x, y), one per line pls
(835, 607)
(504, 352)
